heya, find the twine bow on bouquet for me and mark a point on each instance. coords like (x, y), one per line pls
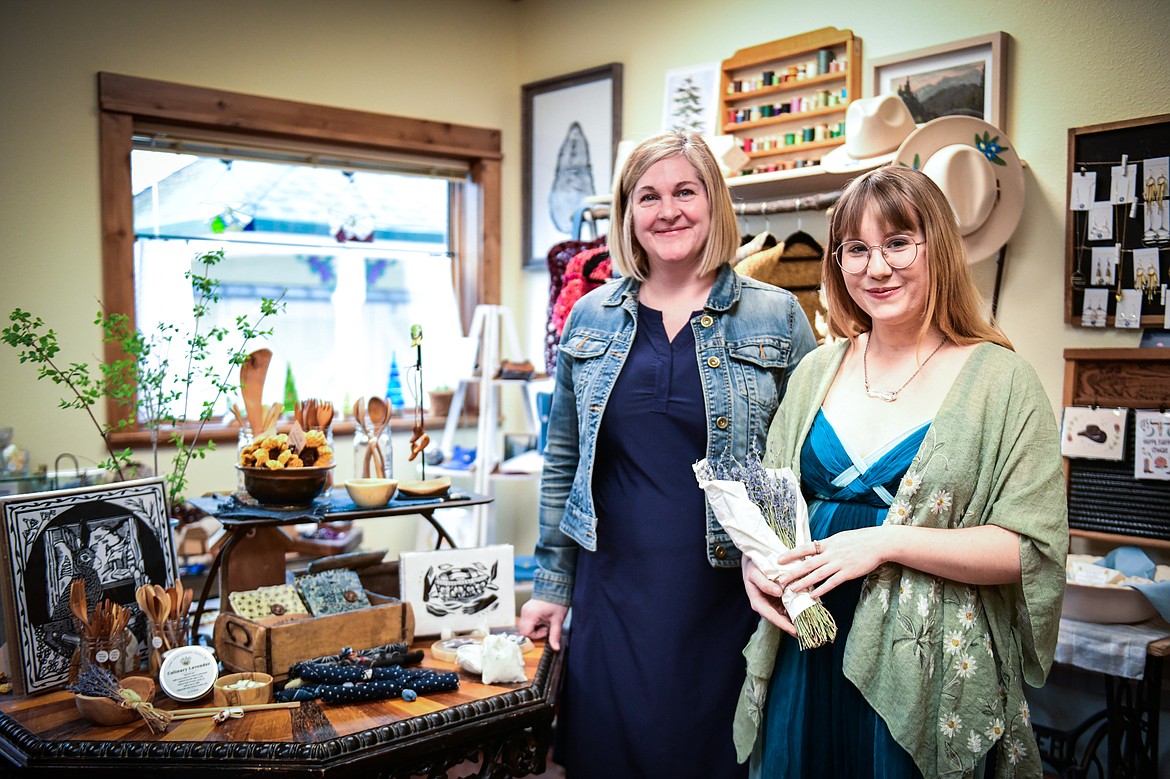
(765, 515)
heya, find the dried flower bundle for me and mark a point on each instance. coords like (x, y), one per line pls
(758, 506)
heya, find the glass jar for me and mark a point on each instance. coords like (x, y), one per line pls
(372, 459)
(109, 652)
(328, 431)
(245, 439)
(165, 636)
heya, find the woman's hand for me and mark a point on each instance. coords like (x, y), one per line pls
(764, 595)
(819, 566)
(540, 619)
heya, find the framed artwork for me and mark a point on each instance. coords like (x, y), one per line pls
(459, 589)
(570, 127)
(691, 99)
(115, 537)
(1093, 433)
(963, 78)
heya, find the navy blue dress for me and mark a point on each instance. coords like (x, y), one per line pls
(654, 663)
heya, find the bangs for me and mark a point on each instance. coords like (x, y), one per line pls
(893, 210)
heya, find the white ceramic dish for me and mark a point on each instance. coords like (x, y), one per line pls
(371, 493)
(1106, 605)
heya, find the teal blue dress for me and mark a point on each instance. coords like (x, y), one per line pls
(817, 724)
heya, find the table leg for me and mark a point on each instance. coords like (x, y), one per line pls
(233, 538)
(429, 516)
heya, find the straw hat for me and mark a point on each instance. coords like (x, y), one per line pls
(977, 168)
(874, 128)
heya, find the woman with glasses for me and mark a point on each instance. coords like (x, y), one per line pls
(929, 456)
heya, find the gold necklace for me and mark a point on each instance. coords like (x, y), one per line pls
(890, 396)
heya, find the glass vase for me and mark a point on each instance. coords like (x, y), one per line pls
(372, 459)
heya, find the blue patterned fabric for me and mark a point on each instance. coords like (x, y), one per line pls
(817, 723)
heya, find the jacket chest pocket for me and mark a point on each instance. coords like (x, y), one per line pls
(585, 351)
(757, 370)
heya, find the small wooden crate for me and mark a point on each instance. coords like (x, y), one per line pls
(244, 645)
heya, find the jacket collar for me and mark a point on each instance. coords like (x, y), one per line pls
(724, 292)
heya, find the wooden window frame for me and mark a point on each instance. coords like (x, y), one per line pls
(127, 104)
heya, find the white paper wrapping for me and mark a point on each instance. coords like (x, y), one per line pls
(748, 529)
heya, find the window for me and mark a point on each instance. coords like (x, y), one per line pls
(184, 168)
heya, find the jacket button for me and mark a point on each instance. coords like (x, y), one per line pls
(721, 423)
(720, 552)
(706, 320)
(713, 362)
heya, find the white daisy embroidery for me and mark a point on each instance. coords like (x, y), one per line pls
(974, 743)
(954, 642)
(899, 513)
(988, 646)
(965, 666)
(1025, 713)
(910, 483)
(950, 724)
(995, 729)
(967, 614)
(923, 606)
(884, 597)
(905, 590)
(1016, 751)
(940, 501)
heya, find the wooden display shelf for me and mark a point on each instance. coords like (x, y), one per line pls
(777, 57)
(822, 79)
(804, 146)
(785, 119)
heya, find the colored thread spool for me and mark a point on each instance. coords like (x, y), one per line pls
(824, 59)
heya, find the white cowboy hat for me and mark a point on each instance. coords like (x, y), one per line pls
(978, 170)
(874, 128)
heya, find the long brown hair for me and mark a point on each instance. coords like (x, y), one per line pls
(723, 239)
(907, 200)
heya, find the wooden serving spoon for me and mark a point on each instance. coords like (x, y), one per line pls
(379, 417)
(252, 374)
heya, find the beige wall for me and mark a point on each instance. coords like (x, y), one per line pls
(1070, 64)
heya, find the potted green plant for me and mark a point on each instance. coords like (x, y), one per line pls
(152, 387)
(440, 400)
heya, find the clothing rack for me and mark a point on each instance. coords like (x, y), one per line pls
(819, 202)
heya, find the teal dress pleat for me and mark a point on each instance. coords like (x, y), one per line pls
(817, 724)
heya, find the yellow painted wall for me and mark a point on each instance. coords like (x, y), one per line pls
(1070, 64)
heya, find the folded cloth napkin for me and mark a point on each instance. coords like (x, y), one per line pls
(231, 507)
(1132, 561)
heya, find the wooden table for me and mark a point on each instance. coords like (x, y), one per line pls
(505, 728)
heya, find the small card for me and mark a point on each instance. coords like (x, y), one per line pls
(1101, 222)
(1152, 445)
(1129, 310)
(1122, 184)
(1093, 433)
(333, 591)
(1095, 308)
(1105, 259)
(1084, 191)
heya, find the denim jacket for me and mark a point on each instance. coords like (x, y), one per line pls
(748, 338)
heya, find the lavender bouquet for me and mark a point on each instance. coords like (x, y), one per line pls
(765, 514)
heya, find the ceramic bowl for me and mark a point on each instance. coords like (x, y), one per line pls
(1106, 604)
(243, 689)
(371, 493)
(286, 487)
(103, 711)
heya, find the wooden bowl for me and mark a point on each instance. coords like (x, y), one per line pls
(429, 488)
(246, 696)
(103, 711)
(286, 487)
(371, 493)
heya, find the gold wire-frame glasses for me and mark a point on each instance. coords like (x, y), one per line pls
(898, 251)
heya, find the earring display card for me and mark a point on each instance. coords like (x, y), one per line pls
(1122, 184)
(1093, 433)
(1152, 445)
(1084, 190)
(1094, 313)
(1129, 310)
(1101, 221)
(1118, 194)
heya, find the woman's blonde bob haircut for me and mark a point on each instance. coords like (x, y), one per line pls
(905, 200)
(723, 239)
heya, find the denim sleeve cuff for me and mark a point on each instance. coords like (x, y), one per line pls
(552, 588)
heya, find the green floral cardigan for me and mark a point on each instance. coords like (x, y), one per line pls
(944, 663)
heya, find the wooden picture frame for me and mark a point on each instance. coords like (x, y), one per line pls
(115, 537)
(459, 589)
(570, 128)
(965, 65)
